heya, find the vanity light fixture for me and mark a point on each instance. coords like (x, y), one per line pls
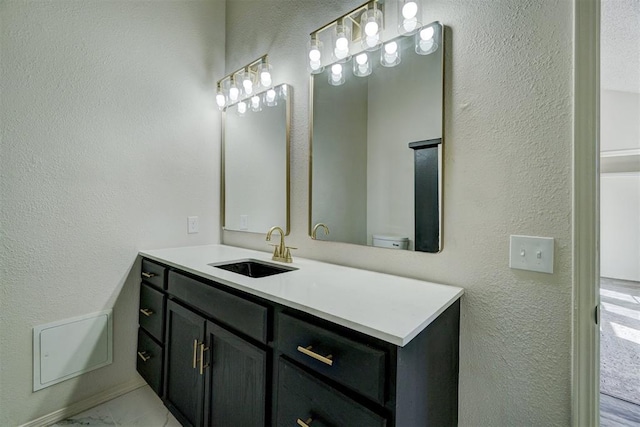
(362, 65)
(271, 98)
(390, 54)
(426, 40)
(221, 98)
(341, 41)
(315, 55)
(371, 23)
(256, 103)
(336, 77)
(234, 91)
(357, 34)
(241, 85)
(242, 108)
(408, 13)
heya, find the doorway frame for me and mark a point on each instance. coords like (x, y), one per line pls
(585, 373)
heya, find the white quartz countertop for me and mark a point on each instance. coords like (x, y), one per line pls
(391, 308)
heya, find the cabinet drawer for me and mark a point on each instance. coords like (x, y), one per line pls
(302, 397)
(238, 313)
(149, 362)
(153, 274)
(151, 313)
(355, 365)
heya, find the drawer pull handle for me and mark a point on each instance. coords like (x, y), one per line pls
(143, 356)
(146, 311)
(148, 275)
(324, 359)
(195, 353)
(304, 423)
(202, 365)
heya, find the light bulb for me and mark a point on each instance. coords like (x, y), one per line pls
(336, 69)
(265, 78)
(234, 93)
(242, 107)
(426, 33)
(314, 65)
(314, 55)
(255, 101)
(342, 43)
(248, 86)
(340, 54)
(372, 41)
(371, 29)
(220, 100)
(271, 95)
(391, 48)
(362, 59)
(363, 69)
(409, 10)
(410, 25)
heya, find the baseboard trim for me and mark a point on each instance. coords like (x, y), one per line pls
(83, 405)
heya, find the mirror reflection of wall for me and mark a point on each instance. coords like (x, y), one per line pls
(362, 167)
(256, 165)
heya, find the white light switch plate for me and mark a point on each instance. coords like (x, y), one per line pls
(193, 225)
(244, 222)
(531, 253)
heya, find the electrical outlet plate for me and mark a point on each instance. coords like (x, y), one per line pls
(193, 224)
(531, 253)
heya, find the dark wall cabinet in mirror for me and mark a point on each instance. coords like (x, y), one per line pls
(368, 181)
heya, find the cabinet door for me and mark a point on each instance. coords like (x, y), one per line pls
(235, 380)
(184, 385)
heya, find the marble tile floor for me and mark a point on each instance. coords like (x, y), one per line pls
(139, 408)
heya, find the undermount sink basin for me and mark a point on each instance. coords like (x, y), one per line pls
(253, 268)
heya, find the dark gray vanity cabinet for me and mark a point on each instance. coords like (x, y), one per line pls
(213, 376)
(233, 359)
(151, 322)
(184, 364)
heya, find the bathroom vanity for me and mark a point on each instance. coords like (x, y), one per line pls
(321, 345)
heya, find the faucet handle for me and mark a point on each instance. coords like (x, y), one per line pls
(287, 254)
(276, 252)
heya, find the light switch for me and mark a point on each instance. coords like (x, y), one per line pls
(244, 222)
(531, 253)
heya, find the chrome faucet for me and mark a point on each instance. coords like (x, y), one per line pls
(281, 252)
(315, 230)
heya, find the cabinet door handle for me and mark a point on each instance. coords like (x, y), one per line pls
(143, 356)
(195, 353)
(306, 423)
(328, 359)
(148, 275)
(202, 365)
(146, 311)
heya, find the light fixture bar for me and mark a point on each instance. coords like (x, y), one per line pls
(351, 15)
(249, 66)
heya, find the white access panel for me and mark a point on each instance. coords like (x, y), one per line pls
(71, 347)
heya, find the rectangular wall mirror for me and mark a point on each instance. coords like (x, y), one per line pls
(255, 163)
(376, 163)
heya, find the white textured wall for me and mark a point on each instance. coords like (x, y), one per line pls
(620, 226)
(508, 139)
(619, 120)
(110, 138)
